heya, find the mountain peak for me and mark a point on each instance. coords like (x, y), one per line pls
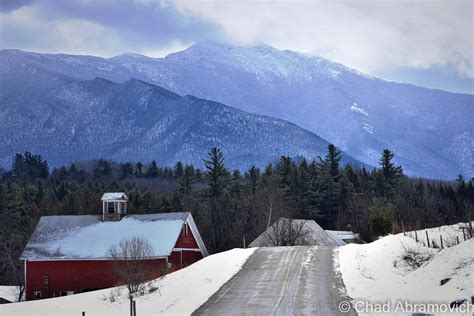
(128, 56)
(222, 45)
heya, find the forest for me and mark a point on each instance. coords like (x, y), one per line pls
(230, 207)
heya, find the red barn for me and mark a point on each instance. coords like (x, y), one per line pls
(68, 254)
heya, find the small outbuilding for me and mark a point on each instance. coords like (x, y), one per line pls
(347, 236)
(68, 254)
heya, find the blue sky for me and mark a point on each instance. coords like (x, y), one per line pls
(425, 42)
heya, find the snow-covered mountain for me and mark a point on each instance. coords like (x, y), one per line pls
(138, 121)
(430, 131)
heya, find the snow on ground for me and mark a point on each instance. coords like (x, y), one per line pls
(448, 232)
(180, 293)
(10, 293)
(376, 273)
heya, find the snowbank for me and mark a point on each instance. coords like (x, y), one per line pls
(375, 272)
(10, 293)
(450, 234)
(180, 293)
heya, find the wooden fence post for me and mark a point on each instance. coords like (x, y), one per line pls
(416, 236)
(464, 234)
(427, 238)
(134, 308)
(457, 239)
(441, 240)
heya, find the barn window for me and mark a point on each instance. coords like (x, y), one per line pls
(66, 293)
(37, 295)
(186, 229)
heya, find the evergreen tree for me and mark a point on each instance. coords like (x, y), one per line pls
(253, 175)
(307, 197)
(287, 173)
(390, 174)
(73, 169)
(127, 170)
(152, 170)
(107, 169)
(31, 165)
(186, 181)
(178, 169)
(216, 175)
(139, 169)
(331, 162)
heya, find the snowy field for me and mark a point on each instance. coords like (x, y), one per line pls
(376, 272)
(178, 293)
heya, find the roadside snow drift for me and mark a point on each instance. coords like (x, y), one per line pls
(376, 272)
(10, 293)
(178, 293)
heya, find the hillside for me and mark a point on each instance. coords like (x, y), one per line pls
(429, 130)
(367, 269)
(138, 121)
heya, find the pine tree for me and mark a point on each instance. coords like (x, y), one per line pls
(152, 170)
(288, 175)
(253, 176)
(186, 181)
(178, 169)
(332, 159)
(306, 195)
(390, 174)
(73, 169)
(127, 170)
(216, 175)
(139, 169)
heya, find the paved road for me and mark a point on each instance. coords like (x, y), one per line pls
(281, 281)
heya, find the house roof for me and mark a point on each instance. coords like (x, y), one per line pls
(344, 235)
(114, 196)
(88, 237)
(312, 234)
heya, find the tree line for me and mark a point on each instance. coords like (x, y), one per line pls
(230, 207)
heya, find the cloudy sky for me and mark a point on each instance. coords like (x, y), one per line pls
(426, 42)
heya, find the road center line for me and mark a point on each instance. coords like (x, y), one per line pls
(285, 284)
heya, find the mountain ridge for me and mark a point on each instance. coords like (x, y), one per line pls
(139, 121)
(142, 56)
(428, 129)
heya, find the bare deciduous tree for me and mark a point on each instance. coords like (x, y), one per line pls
(287, 232)
(11, 245)
(130, 259)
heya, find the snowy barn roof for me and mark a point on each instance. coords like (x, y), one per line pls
(88, 237)
(114, 196)
(305, 233)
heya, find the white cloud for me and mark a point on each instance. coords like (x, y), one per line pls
(172, 47)
(366, 35)
(42, 34)
(32, 28)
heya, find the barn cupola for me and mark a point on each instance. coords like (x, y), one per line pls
(114, 205)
